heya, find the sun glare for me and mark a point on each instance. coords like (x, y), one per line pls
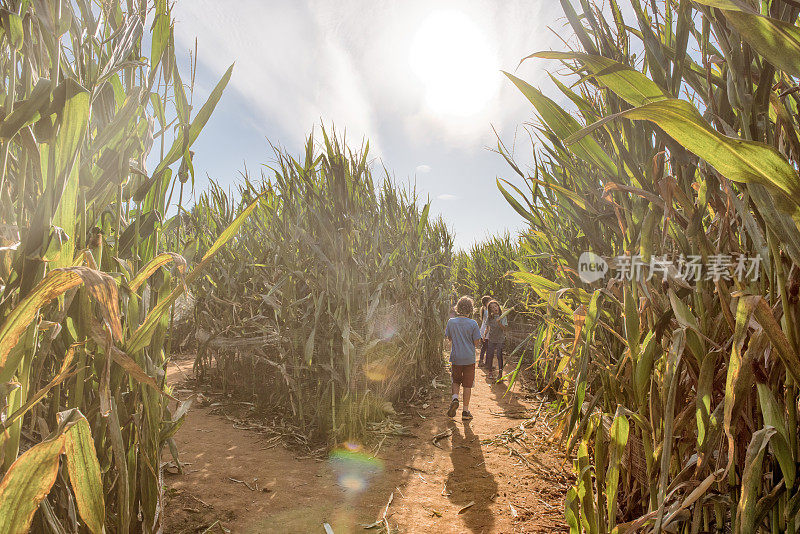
(455, 62)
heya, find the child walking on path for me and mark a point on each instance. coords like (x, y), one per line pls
(464, 335)
(484, 318)
(497, 325)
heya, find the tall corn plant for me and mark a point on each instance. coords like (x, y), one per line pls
(332, 300)
(85, 282)
(680, 397)
(485, 268)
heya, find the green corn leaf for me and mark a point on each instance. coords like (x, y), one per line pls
(687, 319)
(423, 220)
(85, 475)
(736, 159)
(577, 27)
(27, 111)
(161, 29)
(181, 102)
(26, 483)
(63, 204)
(584, 326)
(618, 436)
(670, 383)
(184, 141)
(583, 105)
(153, 265)
(34, 399)
(773, 416)
(644, 367)
(782, 224)
(776, 40)
(58, 281)
(744, 311)
(631, 85)
(178, 418)
(601, 462)
(124, 480)
(564, 125)
(579, 201)
(538, 282)
(571, 511)
(13, 27)
(586, 489)
(631, 322)
(123, 360)
(118, 129)
(763, 314)
(751, 481)
(514, 203)
(705, 385)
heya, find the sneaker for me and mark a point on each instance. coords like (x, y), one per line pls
(451, 412)
(466, 415)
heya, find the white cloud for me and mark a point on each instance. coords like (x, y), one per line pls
(291, 71)
(350, 62)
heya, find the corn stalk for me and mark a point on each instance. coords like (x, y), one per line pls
(678, 139)
(85, 282)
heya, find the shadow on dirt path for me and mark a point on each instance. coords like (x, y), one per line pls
(469, 481)
(239, 480)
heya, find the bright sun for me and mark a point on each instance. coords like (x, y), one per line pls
(455, 63)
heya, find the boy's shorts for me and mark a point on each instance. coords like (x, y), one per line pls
(464, 375)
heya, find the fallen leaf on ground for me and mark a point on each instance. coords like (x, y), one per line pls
(471, 503)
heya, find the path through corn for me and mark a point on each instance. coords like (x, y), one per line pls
(497, 474)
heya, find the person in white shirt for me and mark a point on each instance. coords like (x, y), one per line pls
(484, 318)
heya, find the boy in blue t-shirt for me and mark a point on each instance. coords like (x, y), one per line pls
(464, 335)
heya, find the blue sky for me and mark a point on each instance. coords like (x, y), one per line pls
(421, 80)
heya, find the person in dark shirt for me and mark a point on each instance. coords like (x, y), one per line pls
(497, 326)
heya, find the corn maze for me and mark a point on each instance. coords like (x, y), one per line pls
(665, 158)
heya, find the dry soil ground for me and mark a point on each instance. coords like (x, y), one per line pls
(496, 474)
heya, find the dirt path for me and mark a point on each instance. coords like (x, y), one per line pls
(236, 479)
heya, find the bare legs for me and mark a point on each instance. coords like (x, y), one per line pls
(467, 394)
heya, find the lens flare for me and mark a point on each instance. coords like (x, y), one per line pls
(352, 446)
(376, 371)
(388, 331)
(353, 469)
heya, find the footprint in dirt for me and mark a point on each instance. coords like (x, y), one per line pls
(469, 480)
